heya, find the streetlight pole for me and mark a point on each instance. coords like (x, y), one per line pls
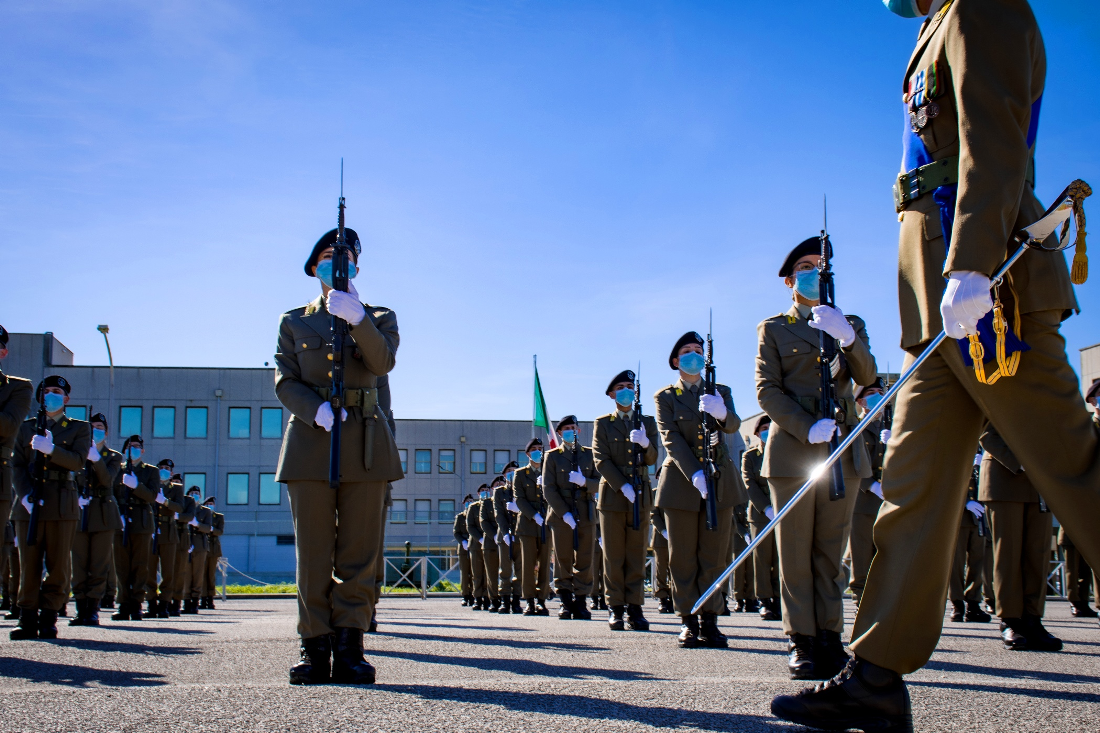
(104, 329)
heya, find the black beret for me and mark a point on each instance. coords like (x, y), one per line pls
(531, 444)
(329, 239)
(499, 480)
(482, 487)
(166, 462)
(194, 490)
(511, 465)
(133, 439)
(1094, 390)
(210, 501)
(877, 384)
(688, 338)
(624, 376)
(764, 420)
(811, 246)
(3, 336)
(99, 417)
(567, 420)
(469, 497)
(176, 478)
(52, 381)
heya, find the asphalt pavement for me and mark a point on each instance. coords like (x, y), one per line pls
(442, 667)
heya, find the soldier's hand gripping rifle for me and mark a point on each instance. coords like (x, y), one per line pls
(340, 257)
(126, 495)
(831, 407)
(639, 452)
(575, 489)
(38, 478)
(1068, 203)
(86, 491)
(710, 435)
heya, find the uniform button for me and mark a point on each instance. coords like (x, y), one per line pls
(305, 346)
(330, 377)
(330, 356)
(794, 351)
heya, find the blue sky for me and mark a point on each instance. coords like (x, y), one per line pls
(577, 180)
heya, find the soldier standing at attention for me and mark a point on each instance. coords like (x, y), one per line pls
(385, 405)
(534, 539)
(92, 546)
(136, 488)
(477, 557)
(744, 580)
(812, 538)
(217, 528)
(462, 537)
(185, 558)
(614, 438)
(203, 525)
(336, 530)
(569, 483)
(489, 553)
(869, 497)
(506, 549)
(765, 558)
(695, 553)
(662, 584)
(168, 502)
(965, 590)
(982, 65)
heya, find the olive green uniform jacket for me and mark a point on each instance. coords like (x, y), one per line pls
(504, 519)
(103, 513)
(217, 529)
(529, 499)
(136, 503)
(71, 440)
(614, 456)
(16, 396)
(561, 493)
(460, 533)
(760, 496)
(165, 514)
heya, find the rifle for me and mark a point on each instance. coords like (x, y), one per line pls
(339, 333)
(573, 509)
(86, 492)
(126, 500)
(639, 452)
(38, 484)
(830, 403)
(509, 524)
(710, 433)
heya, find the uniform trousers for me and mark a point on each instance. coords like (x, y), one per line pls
(477, 569)
(336, 538)
(969, 567)
(695, 556)
(91, 563)
(862, 544)
(1079, 578)
(53, 549)
(465, 582)
(1021, 556)
(112, 576)
(662, 583)
(811, 541)
(184, 562)
(505, 568)
(597, 569)
(491, 557)
(623, 558)
(573, 570)
(534, 566)
(987, 572)
(210, 582)
(198, 572)
(744, 577)
(380, 567)
(164, 559)
(14, 576)
(132, 565)
(939, 417)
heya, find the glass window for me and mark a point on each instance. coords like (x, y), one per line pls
(270, 492)
(423, 460)
(236, 488)
(501, 459)
(195, 479)
(522, 459)
(76, 412)
(398, 511)
(446, 511)
(446, 461)
(477, 461)
(652, 471)
(271, 422)
(129, 422)
(240, 419)
(164, 422)
(422, 511)
(404, 453)
(195, 419)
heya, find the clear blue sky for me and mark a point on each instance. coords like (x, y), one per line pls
(577, 180)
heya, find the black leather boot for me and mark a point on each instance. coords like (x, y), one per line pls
(666, 606)
(79, 618)
(709, 633)
(602, 601)
(13, 614)
(108, 602)
(800, 657)
(1081, 610)
(974, 613)
(505, 605)
(739, 608)
(635, 621)
(958, 611)
(123, 612)
(47, 624)
(1038, 638)
(768, 610)
(862, 696)
(752, 605)
(615, 620)
(566, 611)
(314, 665)
(530, 609)
(5, 601)
(830, 657)
(174, 608)
(515, 604)
(91, 612)
(495, 606)
(348, 665)
(210, 604)
(28, 625)
(190, 606)
(580, 608)
(689, 632)
(466, 601)
(135, 611)
(162, 609)
(543, 610)
(1013, 635)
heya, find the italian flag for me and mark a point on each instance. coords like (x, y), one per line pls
(541, 417)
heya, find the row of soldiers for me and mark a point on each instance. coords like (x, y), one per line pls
(106, 523)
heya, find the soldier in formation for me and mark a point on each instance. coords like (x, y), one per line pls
(475, 543)
(534, 537)
(965, 590)
(507, 551)
(162, 558)
(765, 558)
(213, 554)
(490, 555)
(462, 538)
(869, 497)
(16, 396)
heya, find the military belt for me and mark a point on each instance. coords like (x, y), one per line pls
(914, 183)
(367, 399)
(60, 476)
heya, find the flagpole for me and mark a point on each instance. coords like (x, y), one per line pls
(534, 402)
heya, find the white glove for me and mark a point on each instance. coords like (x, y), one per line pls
(130, 480)
(821, 431)
(629, 493)
(175, 515)
(194, 522)
(508, 540)
(965, 300)
(26, 502)
(699, 481)
(43, 443)
(568, 519)
(600, 540)
(324, 417)
(884, 436)
(577, 478)
(975, 508)
(346, 305)
(161, 498)
(190, 549)
(482, 541)
(876, 489)
(832, 321)
(512, 507)
(93, 454)
(713, 405)
(83, 501)
(638, 436)
(465, 544)
(748, 539)
(977, 459)
(664, 533)
(769, 513)
(538, 481)
(538, 519)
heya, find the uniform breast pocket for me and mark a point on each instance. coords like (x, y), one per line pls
(307, 343)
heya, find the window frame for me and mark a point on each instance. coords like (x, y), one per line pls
(229, 424)
(153, 428)
(229, 488)
(452, 516)
(403, 453)
(268, 411)
(417, 463)
(441, 463)
(260, 491)
(187, 422)
(125, 434)
(70, 411)
(484, 463)
(418, 512)
(188, 484)
(399, 516)
(507, 460)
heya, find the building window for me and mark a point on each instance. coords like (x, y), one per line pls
(164, 422)
(76, 412)
(446, 511)
(446, 461)
(271, 422)
(270, 492)
(423, 460)
(501, 458)
(422, 511)
(240, 419)
(522, 459)
(236, 488)
(129, 422)
(653, 470)
(195, 422)
(195, 479)
(404, 453)
(398, 511)
(477, 461)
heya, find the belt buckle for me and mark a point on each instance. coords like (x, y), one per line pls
(901, 192)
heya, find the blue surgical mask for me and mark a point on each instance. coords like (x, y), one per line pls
(98, 436)
(904, 8)
(568, 435)
(134, 453)
(872, 400)
(763, 436)
(807, 283)
(484, 494)
(536, 456)
(165, 474)
(324, 271)
(691, 363)
(624, 397)
(53, 401)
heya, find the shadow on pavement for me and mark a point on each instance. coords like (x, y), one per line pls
(483, 641)
(526, 667)
(156, 628)
(122, 647)
(1068, 695)
(383, 621)
(1013, 674)
(73, 676)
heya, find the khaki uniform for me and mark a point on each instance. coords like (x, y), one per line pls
(9, 566)
(598, 584)
(744, 577)
(57, 515)
(462, 536)
(477, 557)
(969, 567)
(572, 567)
(1080, 578)
(134, 544)
(92, 549)
(695, 554)
(326, 547)
(217, 529)
(16, 397)
(534, 540)
(489, 553)
(992, 64)
(200, 539)
(165, 544)
(185, 557)
(861, 539)
(385, 402)
(624, 548)
(506, 551)
(812, 537)
(662, 583)
(765, 558)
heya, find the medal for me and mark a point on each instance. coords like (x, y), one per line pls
(933, 109)
(922, 118)
(913, 121)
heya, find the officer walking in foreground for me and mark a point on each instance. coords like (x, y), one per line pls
(336, 530)
(695, 553)
(136, 490)
(462, 537)
(765, 558)
(534, 537)
(982, 65)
